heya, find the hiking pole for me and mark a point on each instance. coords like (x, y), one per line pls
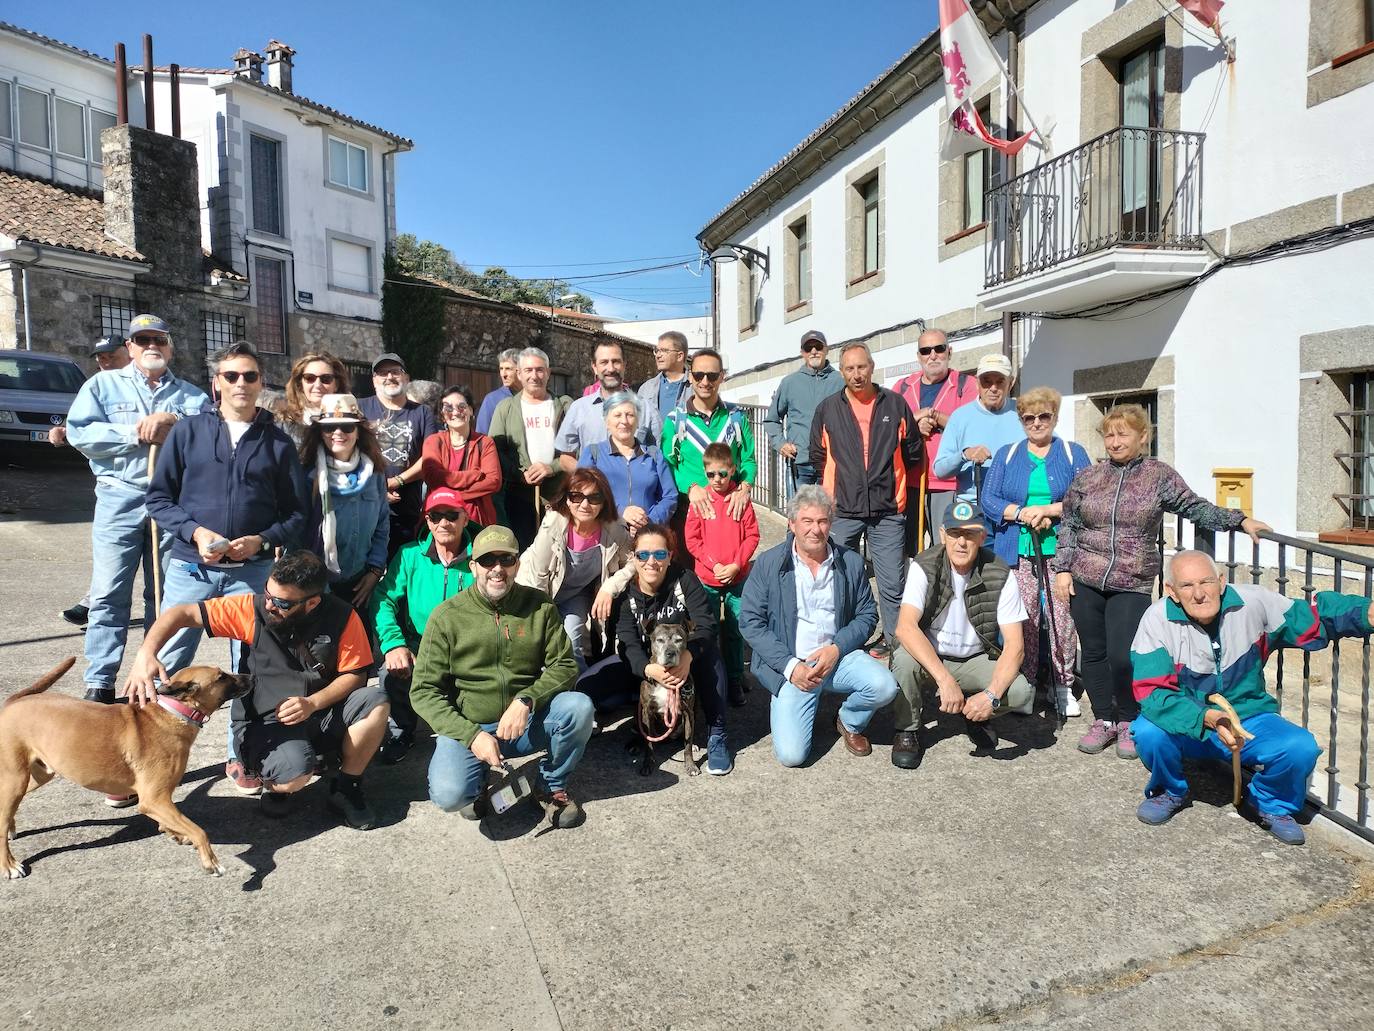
(921, 514)
(1047, 605)
(157, 543)
(1241, 735)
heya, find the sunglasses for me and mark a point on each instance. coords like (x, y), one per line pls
(143, 340)
(708, 377)
(808, 348)
(445, 516)
(658, 555)
(457, 409)
(285, 604)
(502, 559)
(576, 497)
(719, 474)
(934, 349)
(324, 378)
(1030, 420)
(233, 377)
(346, 430)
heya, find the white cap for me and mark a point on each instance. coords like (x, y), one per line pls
(998, 363)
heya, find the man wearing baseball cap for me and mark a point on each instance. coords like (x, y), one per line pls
(494, 681)
(794, 403)
(975, 431)
(960, 632)
(401, 426)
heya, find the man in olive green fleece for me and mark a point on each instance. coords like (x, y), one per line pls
(492, 680)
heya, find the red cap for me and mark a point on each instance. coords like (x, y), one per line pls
(444, 496)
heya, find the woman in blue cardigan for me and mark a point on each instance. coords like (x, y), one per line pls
(1021, 496)
(641, 481)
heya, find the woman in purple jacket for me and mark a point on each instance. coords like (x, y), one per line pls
(1107, 561)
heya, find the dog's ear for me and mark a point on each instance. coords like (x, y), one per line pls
(174, 690)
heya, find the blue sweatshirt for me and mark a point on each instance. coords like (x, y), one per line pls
(1008, 483)
(969, 426)
(258, 487)
(645, 480)
(795, 402)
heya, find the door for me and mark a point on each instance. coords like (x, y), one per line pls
(1142, 108)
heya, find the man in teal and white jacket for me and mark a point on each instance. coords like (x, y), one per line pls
(1207, 637)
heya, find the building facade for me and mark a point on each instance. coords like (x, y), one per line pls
(1196, 237)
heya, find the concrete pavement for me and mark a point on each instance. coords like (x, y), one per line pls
(1017, 889)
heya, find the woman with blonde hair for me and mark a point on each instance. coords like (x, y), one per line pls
(1106, 562)
(315, 374)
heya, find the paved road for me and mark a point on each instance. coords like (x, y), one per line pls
(1017, 890)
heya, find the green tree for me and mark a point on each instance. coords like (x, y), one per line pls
(425, 257)
(412, 318)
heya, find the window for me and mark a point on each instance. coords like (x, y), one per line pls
(70, 121)
(6, 114)
(801, 231)
(265, 164)
(360, 375)
(977, 178)
(1360, 419)
(350, 265)
(559, 385)
(269, 284)
(865, 200)
(1142, 107)
(115, 314)
(1148, 400)
(100, 121)
(872, 256)
(347, 165)
(221, 330)
(33, 119)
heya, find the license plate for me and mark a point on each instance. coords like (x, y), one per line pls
(38, 435)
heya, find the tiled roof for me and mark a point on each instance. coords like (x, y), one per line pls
(326, 109)
(37, 211)
(49, 41)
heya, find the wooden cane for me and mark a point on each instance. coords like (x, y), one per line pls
(921, 514)
(157, 542)
(1241, 735)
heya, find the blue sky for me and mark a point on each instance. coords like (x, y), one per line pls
(552, 134)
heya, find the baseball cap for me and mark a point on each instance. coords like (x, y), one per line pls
(961, 514)
(997, 363)
(390, 356)
(816, 335)
(105, 345)
(494, 538)
(444, 497)
(149, 323)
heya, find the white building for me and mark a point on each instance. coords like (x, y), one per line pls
(1247, 195)
(297, 199)
(697, 329)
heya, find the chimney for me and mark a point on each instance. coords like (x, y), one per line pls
(279, 65)
(248, 65)
(152, 202)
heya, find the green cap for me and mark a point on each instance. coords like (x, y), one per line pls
(495, 538)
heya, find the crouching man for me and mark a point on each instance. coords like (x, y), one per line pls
(1207, 637)
(492, 680)
(960, 629)
(310, 658)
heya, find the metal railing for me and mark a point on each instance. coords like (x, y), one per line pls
(1300, 568)
(1128, 187)
(772, 482)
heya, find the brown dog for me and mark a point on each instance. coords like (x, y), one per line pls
(667, 643)
(115, 749)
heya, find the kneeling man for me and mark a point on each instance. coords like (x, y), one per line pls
(492, 680)
(310, 659)
(1209, 637)
(806, 612)
(960, 629)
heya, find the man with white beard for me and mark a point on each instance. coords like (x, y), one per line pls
(401, 426)
(117, 416)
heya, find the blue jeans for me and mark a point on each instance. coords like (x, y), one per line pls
(867, 686)
(1287, 753)
(121, 541)
(456, 776)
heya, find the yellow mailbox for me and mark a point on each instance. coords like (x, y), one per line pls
(1235, 488)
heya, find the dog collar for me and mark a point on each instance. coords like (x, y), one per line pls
(185, 712)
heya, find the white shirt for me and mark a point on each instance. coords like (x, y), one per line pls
(236, 431)
(952, 636)
(815, 607)
(539, 429)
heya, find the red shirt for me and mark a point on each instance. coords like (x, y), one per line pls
(863, 414)
(722, 539)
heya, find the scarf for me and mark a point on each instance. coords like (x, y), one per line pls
(342, 477)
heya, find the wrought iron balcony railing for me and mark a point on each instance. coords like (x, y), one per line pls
(1128, 187)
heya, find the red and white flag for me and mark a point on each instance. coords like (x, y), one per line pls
(970, 62)
(1205, 11)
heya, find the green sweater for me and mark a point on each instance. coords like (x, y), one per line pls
(476, 658)
(687, 433)
(416, 582)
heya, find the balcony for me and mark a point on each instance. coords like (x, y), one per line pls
(1118, 217)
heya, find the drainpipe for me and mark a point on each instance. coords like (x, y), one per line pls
(1013, 74)
(24, 279)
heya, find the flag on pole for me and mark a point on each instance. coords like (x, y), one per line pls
(1205, 11)
(970, 62)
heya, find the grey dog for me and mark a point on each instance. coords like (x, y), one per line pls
(667, 643)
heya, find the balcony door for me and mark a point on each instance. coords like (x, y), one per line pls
(1142, 107)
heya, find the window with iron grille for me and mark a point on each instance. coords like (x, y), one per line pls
(360, 377)
(221, 330)
(1360, 458)
(1147, 400)
(115, 315)
(264, 156)
(269, 286)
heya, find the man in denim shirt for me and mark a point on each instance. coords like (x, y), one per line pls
(116, 418)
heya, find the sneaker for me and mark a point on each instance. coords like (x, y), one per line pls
(1068, 704)
(562, 809)
(394, 749)
(121, 801)
(1098, 737)
(103, 695)
(718, 760)
(276, 805)
(1283, 827)
(1161, 808)
(77, 615)
(737, 693)
(880, 650)
(346, 798)
(244, 782)
(982, 735)
(1125, 743)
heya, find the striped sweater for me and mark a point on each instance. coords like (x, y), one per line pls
(1176, 663)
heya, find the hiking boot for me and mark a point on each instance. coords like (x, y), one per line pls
(718, 760)
(1161, 808)
(906, 749)
(1125, 743)
(124, 801)
(394, 749)
(346, 798)
(1283, 827)
(982, 735)
(1098, 737)
(276, 805)
(244, 782)
(103, 695)
(880, 650)
(77, 615)
(562, 809)
(477, 809)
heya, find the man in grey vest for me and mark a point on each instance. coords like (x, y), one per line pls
(960, 632)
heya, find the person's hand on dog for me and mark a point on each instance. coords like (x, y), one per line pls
(485, 747)
(951, 696)
(823, 661)
(601, 605)
(670, 676)
(296, 709)
(513, 722)
(400, 661)
(141, 688)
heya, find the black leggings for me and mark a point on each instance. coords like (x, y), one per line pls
(1107, 622)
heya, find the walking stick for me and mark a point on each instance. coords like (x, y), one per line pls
(1241, 735)
(1047, 604)
(921, 513)
(157, 542)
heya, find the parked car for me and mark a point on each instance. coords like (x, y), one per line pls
(36, 392)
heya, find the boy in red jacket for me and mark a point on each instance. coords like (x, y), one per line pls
(722, 548)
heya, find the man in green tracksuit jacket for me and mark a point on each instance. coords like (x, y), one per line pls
(493, 680)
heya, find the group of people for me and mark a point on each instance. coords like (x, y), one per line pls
(503, 566)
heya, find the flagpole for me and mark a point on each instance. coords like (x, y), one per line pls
(1011, 84)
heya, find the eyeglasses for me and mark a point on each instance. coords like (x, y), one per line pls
(708, 377)
(504, 560)
(1030, 420)
(576, 497)
(933, 349)
(665, 351)
(325, 379)
(285, 604)
(457, 409)
(658, 555)
(143, 340)
(719, 474)
(390, 374)
(233, 377)
(447, 515)
(813, 346)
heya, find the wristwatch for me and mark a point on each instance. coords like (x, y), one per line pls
(996, 702)
(527, 700)
(267, 547)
